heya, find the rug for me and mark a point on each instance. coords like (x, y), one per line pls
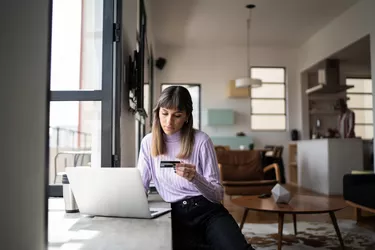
(310, 235)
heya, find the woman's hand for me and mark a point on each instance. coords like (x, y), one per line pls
(186, 170)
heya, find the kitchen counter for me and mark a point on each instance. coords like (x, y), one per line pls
(78, 231)
(322, 163)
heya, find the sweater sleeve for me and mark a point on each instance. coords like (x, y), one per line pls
(208, 183)
(144, 164)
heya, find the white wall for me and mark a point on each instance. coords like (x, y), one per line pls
(354, 70)
(349, 27)
(127, 120)
(24, 79)
(214, 67)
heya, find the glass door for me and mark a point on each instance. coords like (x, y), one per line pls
(84, 87)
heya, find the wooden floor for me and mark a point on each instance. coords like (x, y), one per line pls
(261, 217)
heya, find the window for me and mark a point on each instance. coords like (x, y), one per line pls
(195, 92)
(360, 102)
(83, 117)
(75, 137)
(268, 103)
(76, 49)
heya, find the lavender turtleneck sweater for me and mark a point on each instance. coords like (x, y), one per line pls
(173, 187)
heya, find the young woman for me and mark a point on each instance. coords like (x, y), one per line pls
(193, 188)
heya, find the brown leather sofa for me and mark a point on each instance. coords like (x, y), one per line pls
(241, 172)
(221, 148)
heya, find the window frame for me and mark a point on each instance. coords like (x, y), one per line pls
(109, 94)
(285, 114)
(360, 109)
(199, 99)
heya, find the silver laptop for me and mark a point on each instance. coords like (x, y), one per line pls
(115, 192)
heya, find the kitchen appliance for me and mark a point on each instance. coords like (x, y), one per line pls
(329, 79)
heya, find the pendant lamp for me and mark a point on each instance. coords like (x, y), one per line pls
(248, 81)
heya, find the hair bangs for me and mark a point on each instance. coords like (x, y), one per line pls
(173, 102)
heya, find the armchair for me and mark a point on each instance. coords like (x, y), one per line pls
(241, 172)
(274, 155)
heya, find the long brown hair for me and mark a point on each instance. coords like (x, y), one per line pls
(174, 97)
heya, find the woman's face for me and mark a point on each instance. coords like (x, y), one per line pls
(172, 120)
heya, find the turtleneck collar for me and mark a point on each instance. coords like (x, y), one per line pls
(173, 137)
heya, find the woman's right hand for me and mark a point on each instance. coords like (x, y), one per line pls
(186, 171)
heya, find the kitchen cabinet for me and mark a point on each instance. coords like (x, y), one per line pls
(233, 92)
(217, 117)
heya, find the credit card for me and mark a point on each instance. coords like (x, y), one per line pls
(168, 164)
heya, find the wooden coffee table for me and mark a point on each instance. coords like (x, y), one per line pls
(299, 204)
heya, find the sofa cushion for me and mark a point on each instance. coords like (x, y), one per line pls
(360, 189)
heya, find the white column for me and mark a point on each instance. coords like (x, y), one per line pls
(24, 79)
(91, 74)
(96, 135)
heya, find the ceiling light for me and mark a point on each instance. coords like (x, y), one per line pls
(247, 82)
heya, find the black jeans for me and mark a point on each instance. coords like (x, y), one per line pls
(198, 223)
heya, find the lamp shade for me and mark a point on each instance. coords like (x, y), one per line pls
(248, 82)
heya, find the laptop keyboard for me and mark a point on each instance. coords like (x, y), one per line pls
(152, 211)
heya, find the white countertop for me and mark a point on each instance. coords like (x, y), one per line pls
(75, 231)
(328, 139)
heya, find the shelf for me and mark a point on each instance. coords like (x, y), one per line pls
(293, 166)
(233, 92)
(326, 98)
(317, 112)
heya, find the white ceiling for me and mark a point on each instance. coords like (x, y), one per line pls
(282, 23)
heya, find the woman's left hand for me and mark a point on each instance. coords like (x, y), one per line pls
(186, 170)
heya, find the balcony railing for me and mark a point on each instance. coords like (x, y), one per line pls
(69, 139)
(68, 148)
